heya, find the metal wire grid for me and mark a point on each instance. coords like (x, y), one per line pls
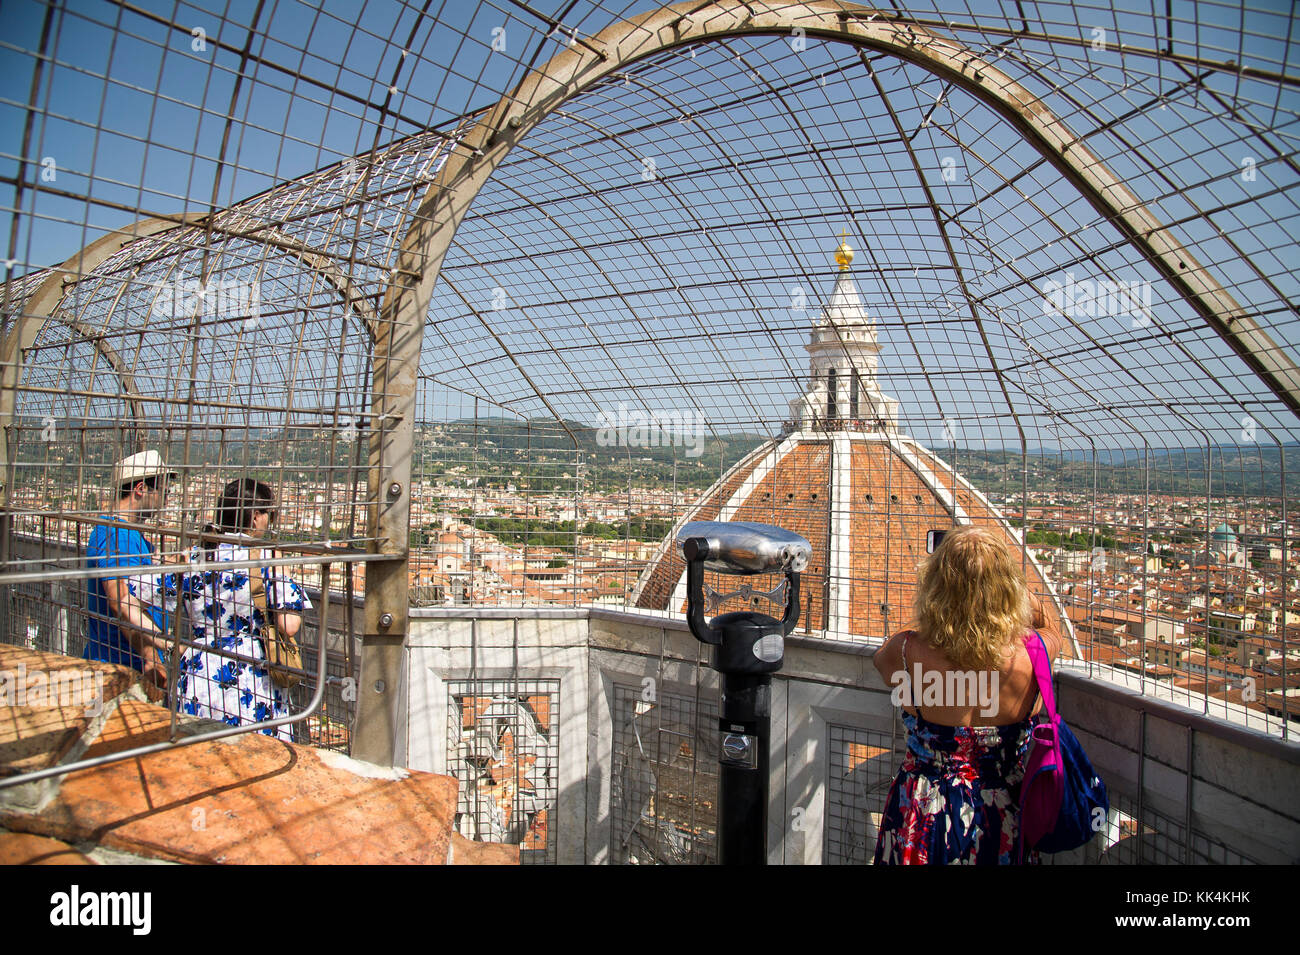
(269, 374)
(1158, 839)
(497, 514)
(664, 782)
(860, 766)
(674, 293)
(1068, 409)
(513, 511)
(1135, 551)
(556, 284)
(910, 85)
(52, 616)
(503, 746)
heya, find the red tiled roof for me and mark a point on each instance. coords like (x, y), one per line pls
(244, 799)
(888, 505)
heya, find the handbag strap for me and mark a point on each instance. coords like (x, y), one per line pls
(257, 587)
(1042, 662)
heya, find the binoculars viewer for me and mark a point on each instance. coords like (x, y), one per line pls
(748, 647)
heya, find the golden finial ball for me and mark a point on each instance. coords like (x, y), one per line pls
(844, 255)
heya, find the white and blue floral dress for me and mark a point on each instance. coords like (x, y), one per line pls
(222, 615)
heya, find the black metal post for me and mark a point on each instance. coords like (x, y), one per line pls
(743, 756)
(747, 649)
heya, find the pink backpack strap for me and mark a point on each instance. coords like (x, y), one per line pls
(1038, 656)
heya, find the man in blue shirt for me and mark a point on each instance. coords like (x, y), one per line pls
(127, 623)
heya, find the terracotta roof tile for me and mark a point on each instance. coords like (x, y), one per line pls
(245, 799)
(23, 848)
(889, 508)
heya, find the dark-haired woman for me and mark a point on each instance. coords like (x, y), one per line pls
(223, 616)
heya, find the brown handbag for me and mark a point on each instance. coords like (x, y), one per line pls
(283, 656)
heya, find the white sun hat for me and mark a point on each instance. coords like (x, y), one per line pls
(140, 467)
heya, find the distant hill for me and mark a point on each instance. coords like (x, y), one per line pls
(1233, 470)
(537, 455)
(543, 450)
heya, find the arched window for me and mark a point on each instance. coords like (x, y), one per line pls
(830, 395)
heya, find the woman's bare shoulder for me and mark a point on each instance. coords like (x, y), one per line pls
(1054, 641)
(889, 658)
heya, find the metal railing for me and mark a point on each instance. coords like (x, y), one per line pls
(1185, 788)
(49, 614)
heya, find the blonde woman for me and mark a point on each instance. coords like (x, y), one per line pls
(966, 688)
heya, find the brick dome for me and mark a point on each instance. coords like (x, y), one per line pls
(844, 477)
(864, 501)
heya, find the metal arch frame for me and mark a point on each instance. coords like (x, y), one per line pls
(542, 92)
(325, 266)
(110, 354)
(44, 305)
(568, 74)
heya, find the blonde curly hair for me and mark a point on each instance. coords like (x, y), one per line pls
(972, 599)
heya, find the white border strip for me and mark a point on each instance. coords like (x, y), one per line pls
(669, 542)
(927, 476)
(756, 477)
(839, 565)
(764, 468)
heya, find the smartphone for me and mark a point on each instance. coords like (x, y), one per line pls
(932, 540)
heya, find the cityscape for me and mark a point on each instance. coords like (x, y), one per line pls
(610, 376)
(1177, 589)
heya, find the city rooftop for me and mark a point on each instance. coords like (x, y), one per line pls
(498, 298)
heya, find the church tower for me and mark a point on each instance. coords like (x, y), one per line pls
(843, 353)
(843, 476)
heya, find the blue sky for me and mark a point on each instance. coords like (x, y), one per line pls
(134, 112)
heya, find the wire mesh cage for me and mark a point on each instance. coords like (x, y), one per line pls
(665, 787)
(495, 298)
(504, 734)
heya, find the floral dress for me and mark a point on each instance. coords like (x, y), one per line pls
(956, 798)
(222, 615)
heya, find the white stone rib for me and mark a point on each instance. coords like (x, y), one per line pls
(839, 565)
(927, 476)
(733, 504)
